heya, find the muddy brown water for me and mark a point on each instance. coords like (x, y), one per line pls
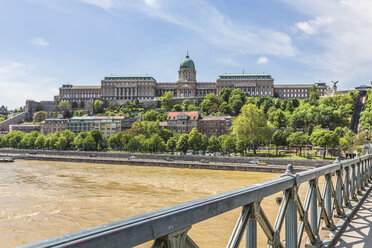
(40, 199)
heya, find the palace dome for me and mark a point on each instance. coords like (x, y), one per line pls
(187, 63)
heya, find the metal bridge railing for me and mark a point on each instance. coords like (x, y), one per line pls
(168, 227)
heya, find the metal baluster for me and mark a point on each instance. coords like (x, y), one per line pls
(291, 221)
(251, 230)
(328, 201)
(359, 180)
(314, 213)
(347, 187)
(353, 183)
(291, 214)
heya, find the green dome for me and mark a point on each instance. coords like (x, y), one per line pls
(187, 63)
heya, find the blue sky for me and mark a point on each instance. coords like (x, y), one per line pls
(45, 43)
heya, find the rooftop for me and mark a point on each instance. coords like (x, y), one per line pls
(215, 117)
(193, 115)
(129, 77)
(246, 75)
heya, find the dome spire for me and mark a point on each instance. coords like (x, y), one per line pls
(187, 54)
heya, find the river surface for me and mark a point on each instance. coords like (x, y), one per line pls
(41, 199)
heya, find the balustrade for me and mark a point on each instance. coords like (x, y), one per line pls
(169, 227)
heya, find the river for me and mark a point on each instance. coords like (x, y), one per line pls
(41, 199)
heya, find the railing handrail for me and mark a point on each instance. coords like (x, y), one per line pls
(153, 225)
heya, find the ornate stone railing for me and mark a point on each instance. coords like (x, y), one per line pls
(168, 227)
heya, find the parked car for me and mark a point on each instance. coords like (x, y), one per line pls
(204, 161)
(132, 157)
(92, 155)
(318, 165)
(261, 163)
(254, 161)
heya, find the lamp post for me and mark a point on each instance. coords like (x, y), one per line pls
(366, 146)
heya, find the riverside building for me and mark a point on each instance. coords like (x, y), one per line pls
(121, 89)
(107, 125)
(53, 125)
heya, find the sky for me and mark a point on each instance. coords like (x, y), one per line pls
(46, 43)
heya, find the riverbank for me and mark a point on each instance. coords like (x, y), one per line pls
(275, 165)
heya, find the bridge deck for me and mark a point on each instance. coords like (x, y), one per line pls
(359, 232)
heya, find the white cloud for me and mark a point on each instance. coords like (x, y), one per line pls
(338, 38)
(39, 42)
(313, 26)
(152, 3)
(211, 25)
(262, 60)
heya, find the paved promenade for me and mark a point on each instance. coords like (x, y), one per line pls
(358, 234)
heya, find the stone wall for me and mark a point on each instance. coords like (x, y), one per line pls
(15, 119)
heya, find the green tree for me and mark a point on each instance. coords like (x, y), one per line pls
(277, 118)
(225, 94)
(228, 145)
(28, 140)
(251, 126)
(240, 146)
(182, 143)
(89, 144)
(298, 139)
(98, 106)
(204, 142)
(98, 139)
(39, 142)
(80, 112)
(214, 144)
(40, 116)
(79, 140)
(151, 115)
(61, 144)
(324, 139)
(314, 95)
(280, 138)
(295, 102)
(133, 145)
(224, 108)
(235, 103)
(63, 106)
(186, 104)
(172, 144)
(194, 139)
(344, 144)
(70, 136)
(155, 143)
(177, 107)
(166, 100)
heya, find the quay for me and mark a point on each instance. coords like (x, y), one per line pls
(346, 189)
(275, 165)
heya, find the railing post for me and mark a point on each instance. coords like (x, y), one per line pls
(338, 189)
(251, 230)
(178, 239)
(328, 202)
(291, 214)
(347, 187)
(353, 183)
(359, 179)
(314, 213)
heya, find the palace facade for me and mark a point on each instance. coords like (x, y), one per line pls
(144, 87)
